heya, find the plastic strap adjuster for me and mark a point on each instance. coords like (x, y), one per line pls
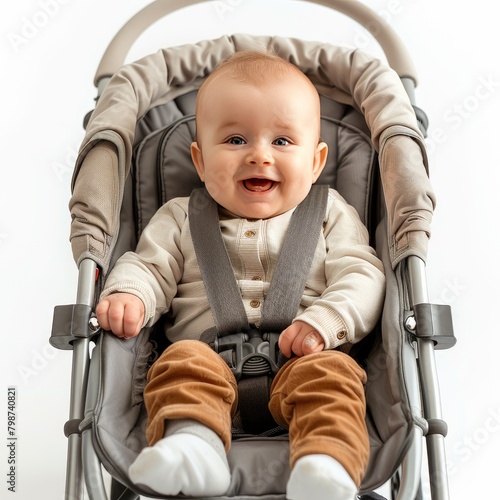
(70, 322)
(433, 322)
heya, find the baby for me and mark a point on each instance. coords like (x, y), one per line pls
(258, 151)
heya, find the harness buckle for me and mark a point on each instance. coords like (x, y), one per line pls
(253, 353)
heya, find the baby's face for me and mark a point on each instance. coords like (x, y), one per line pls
(258, 148)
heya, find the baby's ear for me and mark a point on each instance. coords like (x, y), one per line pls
(197, 158)
(319, 162)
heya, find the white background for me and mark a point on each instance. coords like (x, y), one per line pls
(50, 51)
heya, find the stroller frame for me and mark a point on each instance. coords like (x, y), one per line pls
(430, 325)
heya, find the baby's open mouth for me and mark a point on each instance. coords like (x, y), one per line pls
(258, 185)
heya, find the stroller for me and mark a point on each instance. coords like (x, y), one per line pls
(363, 104)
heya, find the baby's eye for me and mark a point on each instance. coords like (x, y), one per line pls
(281, 141)
(238, 141)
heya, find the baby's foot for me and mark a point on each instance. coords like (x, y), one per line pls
(320, 477)
(181, 463)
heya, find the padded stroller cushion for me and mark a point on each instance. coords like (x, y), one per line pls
(161, 168)
(162, 161)
(352, 161)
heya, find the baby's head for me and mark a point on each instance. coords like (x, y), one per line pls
(258, 146)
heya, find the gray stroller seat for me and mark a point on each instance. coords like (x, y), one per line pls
(152, 166)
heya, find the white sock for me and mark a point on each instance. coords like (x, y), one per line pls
(182, 463)
(319, 477)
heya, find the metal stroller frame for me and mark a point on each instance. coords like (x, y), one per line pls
(426, 322)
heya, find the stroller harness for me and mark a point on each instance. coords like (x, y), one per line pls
(367, 109)
(252, 352)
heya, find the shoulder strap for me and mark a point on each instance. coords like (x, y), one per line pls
(287, 285)
(222, 290)
(297, 253)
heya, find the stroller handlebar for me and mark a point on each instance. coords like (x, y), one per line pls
(390, 42)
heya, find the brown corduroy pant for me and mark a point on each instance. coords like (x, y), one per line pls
(319, 398)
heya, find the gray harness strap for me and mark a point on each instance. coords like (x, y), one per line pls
(292, 270)
(287, 286)
(251, 352)
(222, 290)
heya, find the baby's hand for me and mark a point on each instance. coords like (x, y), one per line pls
(301, 339)
(122, 313)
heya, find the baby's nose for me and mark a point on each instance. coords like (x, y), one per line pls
(260, 155)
